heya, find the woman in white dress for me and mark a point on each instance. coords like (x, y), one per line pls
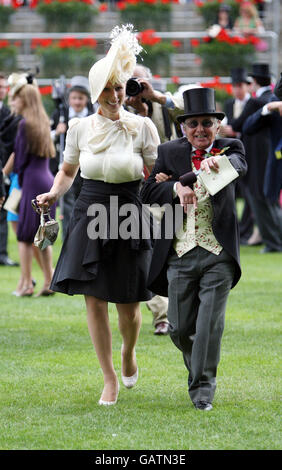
(111, 148)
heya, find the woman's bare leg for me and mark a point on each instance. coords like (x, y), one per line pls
(129, 325)
(25, 252)
(101, 336)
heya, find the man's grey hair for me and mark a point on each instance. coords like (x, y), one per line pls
(147, 72)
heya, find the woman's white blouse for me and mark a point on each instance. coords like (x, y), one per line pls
(111, 151)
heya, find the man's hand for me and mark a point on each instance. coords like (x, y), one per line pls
(227, 131)
(61, 128)
(2, 199)
(137, 103)
(275, 106)
(150, 94)
(162, 177)
(186, 196)
(209, 164)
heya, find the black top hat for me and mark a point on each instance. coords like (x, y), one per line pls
(199, 102)
(260, 70)
(239, 75)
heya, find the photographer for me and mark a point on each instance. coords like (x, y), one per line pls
(77, 105)
(161, 107)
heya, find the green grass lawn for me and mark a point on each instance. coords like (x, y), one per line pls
(51, 381)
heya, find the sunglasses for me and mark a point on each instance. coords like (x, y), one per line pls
(194, 123)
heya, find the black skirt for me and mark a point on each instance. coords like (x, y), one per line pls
(96, 258)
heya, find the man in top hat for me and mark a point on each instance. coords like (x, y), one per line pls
(198, 269)
(79, 105)
(258, 148)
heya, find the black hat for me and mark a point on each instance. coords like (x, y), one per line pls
(239, 75)
(199, 102)
(261, 71)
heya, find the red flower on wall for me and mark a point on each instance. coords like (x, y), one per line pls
(103, 7)
(176, 43)
(148, 37)
(121, 5)
(195, 42)
(175, 79)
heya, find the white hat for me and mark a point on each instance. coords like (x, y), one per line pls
(118, 65)
(16, 81)
(79, 82)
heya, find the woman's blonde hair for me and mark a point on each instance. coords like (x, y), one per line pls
(250, 8)
(37, 122)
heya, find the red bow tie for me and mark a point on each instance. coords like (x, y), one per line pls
(198, 157)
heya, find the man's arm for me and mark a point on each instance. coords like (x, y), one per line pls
(153, 192)
(236, 156)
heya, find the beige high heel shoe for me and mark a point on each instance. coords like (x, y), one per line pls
(129, 382)
(109, 403)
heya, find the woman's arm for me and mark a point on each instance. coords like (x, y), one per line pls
(62, 182)
(8, 168)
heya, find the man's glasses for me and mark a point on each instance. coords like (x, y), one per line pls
(194, 123)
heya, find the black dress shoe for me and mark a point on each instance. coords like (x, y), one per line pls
(203, 405)
(266, 249)
(5, 261)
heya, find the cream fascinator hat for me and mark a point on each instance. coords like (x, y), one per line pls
(16, 81)
(119, 63)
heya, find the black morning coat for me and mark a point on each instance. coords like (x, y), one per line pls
(257, 145)
(174, 159)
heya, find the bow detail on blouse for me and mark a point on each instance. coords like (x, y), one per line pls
(104, 132)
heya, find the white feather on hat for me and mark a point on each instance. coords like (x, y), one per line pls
(119, 63)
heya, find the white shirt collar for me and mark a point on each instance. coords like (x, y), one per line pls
(262, 89)
(246, 98)
(1, 104)
(81, 114)
(207, 149)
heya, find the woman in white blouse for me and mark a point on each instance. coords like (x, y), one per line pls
(111, 148)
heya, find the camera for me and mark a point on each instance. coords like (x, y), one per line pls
(133, 87)
(59, 88)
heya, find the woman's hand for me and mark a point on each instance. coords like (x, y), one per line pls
(162, 177)
(46, 200)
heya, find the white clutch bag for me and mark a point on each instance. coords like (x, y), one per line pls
(13, 201)
(215, 181)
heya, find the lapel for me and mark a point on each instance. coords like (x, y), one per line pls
(181, 160)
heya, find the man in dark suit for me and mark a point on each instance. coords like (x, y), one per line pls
(258, 147)
(4, 155)
(270, 116)
(196, 270)
(278, 89)
(233, 107)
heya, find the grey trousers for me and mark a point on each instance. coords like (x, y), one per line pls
(158, 306)
(199, 284)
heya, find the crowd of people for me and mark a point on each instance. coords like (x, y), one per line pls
(141, 148)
